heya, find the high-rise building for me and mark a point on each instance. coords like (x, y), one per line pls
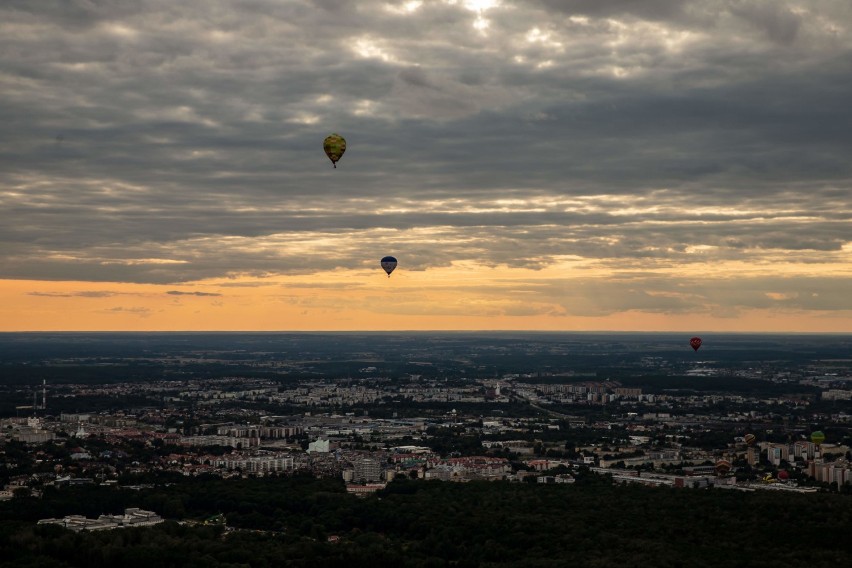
(753, 455)
(804, 450)
(366, 470)
(774, 454)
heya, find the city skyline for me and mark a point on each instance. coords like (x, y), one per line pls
(532, 165)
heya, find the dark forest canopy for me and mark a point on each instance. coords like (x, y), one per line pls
(288, 521)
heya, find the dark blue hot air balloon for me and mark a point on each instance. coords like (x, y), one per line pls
(388, 263)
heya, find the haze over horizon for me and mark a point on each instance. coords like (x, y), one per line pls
(567, 165)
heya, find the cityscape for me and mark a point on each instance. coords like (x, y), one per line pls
(134, 414)
(376, 423)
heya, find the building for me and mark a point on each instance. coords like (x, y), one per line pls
(132, 517)
(555, 479)
(33, 435)
(753, 455)
(839, 471)
(318, 446)
(623, 392)
(775, 453)
(837, 394)
(255, 464)
(364, 490)
(804, 450)
(366, 470)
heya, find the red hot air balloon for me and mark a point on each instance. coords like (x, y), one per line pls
(695, 342)
(749, 439)
(783, 475)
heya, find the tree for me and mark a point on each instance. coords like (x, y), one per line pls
(21, 492)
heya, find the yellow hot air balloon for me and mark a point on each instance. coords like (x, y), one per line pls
(334, 146)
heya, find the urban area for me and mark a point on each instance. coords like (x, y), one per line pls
(787, 430)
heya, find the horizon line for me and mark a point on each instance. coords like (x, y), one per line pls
(484, 331)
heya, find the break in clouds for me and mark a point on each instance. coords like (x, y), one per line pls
(166, 142)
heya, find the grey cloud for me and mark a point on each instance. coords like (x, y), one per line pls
(336, 6)
(95, 294)
(419, 95)
(84, 294)
(138, 311)
(50, 294)
(531, 239)
(779, 21)
(178, 293)
(191, 145)
(776, 19)
(323, 285)
(648, 9)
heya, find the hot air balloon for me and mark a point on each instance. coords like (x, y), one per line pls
(695, 342)
(723, 467)
(388, 263)
(334, 146)
(817, 437)
(783, 475)
(749, 439)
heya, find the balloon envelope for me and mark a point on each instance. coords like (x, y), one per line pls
(388, 263)
(783, 475)
(749, 439)
(334, 146)
(695, 342)
(723, 467)
(817, 437)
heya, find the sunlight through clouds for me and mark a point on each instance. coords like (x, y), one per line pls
(369, 48)
(404, 8)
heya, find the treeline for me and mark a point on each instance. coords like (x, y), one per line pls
(307, 522)
(122, 371)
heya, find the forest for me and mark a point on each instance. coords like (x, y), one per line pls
(302, 521)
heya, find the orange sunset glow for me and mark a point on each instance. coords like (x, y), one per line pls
(450, 298)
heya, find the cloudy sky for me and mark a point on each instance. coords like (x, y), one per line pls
(538, 164)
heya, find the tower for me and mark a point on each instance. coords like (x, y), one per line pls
(44, 394)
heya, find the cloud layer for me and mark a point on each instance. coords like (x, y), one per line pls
(661, 143)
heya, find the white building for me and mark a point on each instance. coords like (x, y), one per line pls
(319, 446)
(132, 517)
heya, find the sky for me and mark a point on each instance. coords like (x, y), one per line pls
(663, 165)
